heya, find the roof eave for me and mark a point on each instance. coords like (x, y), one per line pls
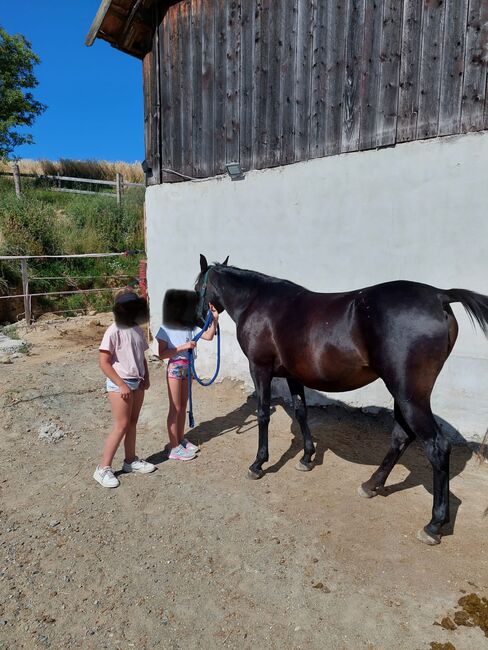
(97, 22)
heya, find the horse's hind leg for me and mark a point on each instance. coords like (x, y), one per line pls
(262, 383)
(401, 437)
(300, 407)
(420, 421)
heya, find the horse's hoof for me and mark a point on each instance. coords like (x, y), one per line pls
(303, 467)
(254, 476)
(426, 538)
(366, 492)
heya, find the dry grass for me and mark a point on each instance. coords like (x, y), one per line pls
(99, 169)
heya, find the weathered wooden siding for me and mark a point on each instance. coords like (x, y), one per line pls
(270, 82)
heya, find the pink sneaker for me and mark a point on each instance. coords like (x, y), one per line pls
(180, 453)
(189, 446)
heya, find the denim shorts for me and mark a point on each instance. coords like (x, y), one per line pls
(133, 384)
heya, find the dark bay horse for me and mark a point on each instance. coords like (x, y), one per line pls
(401, 332)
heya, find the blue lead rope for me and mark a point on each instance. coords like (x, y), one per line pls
(192, 373)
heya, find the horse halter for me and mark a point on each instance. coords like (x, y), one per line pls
(203, 291)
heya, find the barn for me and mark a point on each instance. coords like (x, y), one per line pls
(357, 129)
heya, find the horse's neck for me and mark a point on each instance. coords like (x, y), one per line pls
(235, 290)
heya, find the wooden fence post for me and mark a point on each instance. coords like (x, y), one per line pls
(119, 179)
(25, 291)
(16, 173)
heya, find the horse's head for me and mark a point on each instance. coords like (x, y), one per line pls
(205, 288)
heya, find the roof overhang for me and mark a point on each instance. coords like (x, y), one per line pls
(127, 25)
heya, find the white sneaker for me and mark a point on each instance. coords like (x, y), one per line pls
(189, 446)
(105, 476)
(180, 453)
(139, 466)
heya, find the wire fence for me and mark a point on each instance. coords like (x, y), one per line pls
(27, 279)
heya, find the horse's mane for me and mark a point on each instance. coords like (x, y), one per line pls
(256, 276)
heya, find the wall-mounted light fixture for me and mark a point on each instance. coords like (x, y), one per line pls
(234, 170)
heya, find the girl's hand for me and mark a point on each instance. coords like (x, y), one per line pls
(215, 313)
(125, 392)
(190, 345)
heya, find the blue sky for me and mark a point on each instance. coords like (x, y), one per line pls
(94, 95)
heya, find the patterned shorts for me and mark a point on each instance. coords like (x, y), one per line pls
(177, 370)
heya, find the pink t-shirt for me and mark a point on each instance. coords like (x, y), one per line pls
(126, 346)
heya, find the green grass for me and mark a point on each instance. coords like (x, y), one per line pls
(44, 222)
(10, 331)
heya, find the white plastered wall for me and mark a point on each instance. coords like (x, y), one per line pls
(417, 211)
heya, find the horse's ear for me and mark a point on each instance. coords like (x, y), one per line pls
(224, 263)
(203, 263)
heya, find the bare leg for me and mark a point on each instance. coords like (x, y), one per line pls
(182, 411)
(121, 413)
(178, 395)
(130, 435)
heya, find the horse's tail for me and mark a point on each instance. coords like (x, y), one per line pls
(475, 304)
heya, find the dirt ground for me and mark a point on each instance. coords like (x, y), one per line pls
(195, 555)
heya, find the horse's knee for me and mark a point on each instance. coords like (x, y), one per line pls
(438, 451)
(263, 419)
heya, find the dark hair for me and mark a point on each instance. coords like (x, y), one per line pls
(130, 309)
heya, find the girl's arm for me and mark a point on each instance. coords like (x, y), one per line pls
(145, 382)
(107, 369)
(210, 333)
(166, 353)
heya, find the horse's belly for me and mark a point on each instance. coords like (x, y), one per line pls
(335, 381)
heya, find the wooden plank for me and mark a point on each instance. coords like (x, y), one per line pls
(305, 18)
(409, 70)
(351, 108)
(260, 84)
(97, 22)
(220, 84)
(475, 67)
(274, 108)
(79, 180)
(246, 83)
(274, 112)
(64, 189)
(452, 68)
(119, 187)
(146, 85)
(186, 58)
(233, 43)
(208, 94)
(167, 114)
(370, 78)
(197, 100)
(156, 106)
(386, 122)
(25, 291)
(334, 86)
(288, 86)
(430, 68)
(318, 82)
(176, 72)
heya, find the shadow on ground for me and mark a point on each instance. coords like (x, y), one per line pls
(351, 434)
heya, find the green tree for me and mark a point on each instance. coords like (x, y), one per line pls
(18, 108)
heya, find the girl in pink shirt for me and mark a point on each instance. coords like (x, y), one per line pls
(123, 362)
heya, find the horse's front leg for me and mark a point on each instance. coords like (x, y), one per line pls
(300, 408)
(262, 383)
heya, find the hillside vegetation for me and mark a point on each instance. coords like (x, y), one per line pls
(46, 222)
(99, 169)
